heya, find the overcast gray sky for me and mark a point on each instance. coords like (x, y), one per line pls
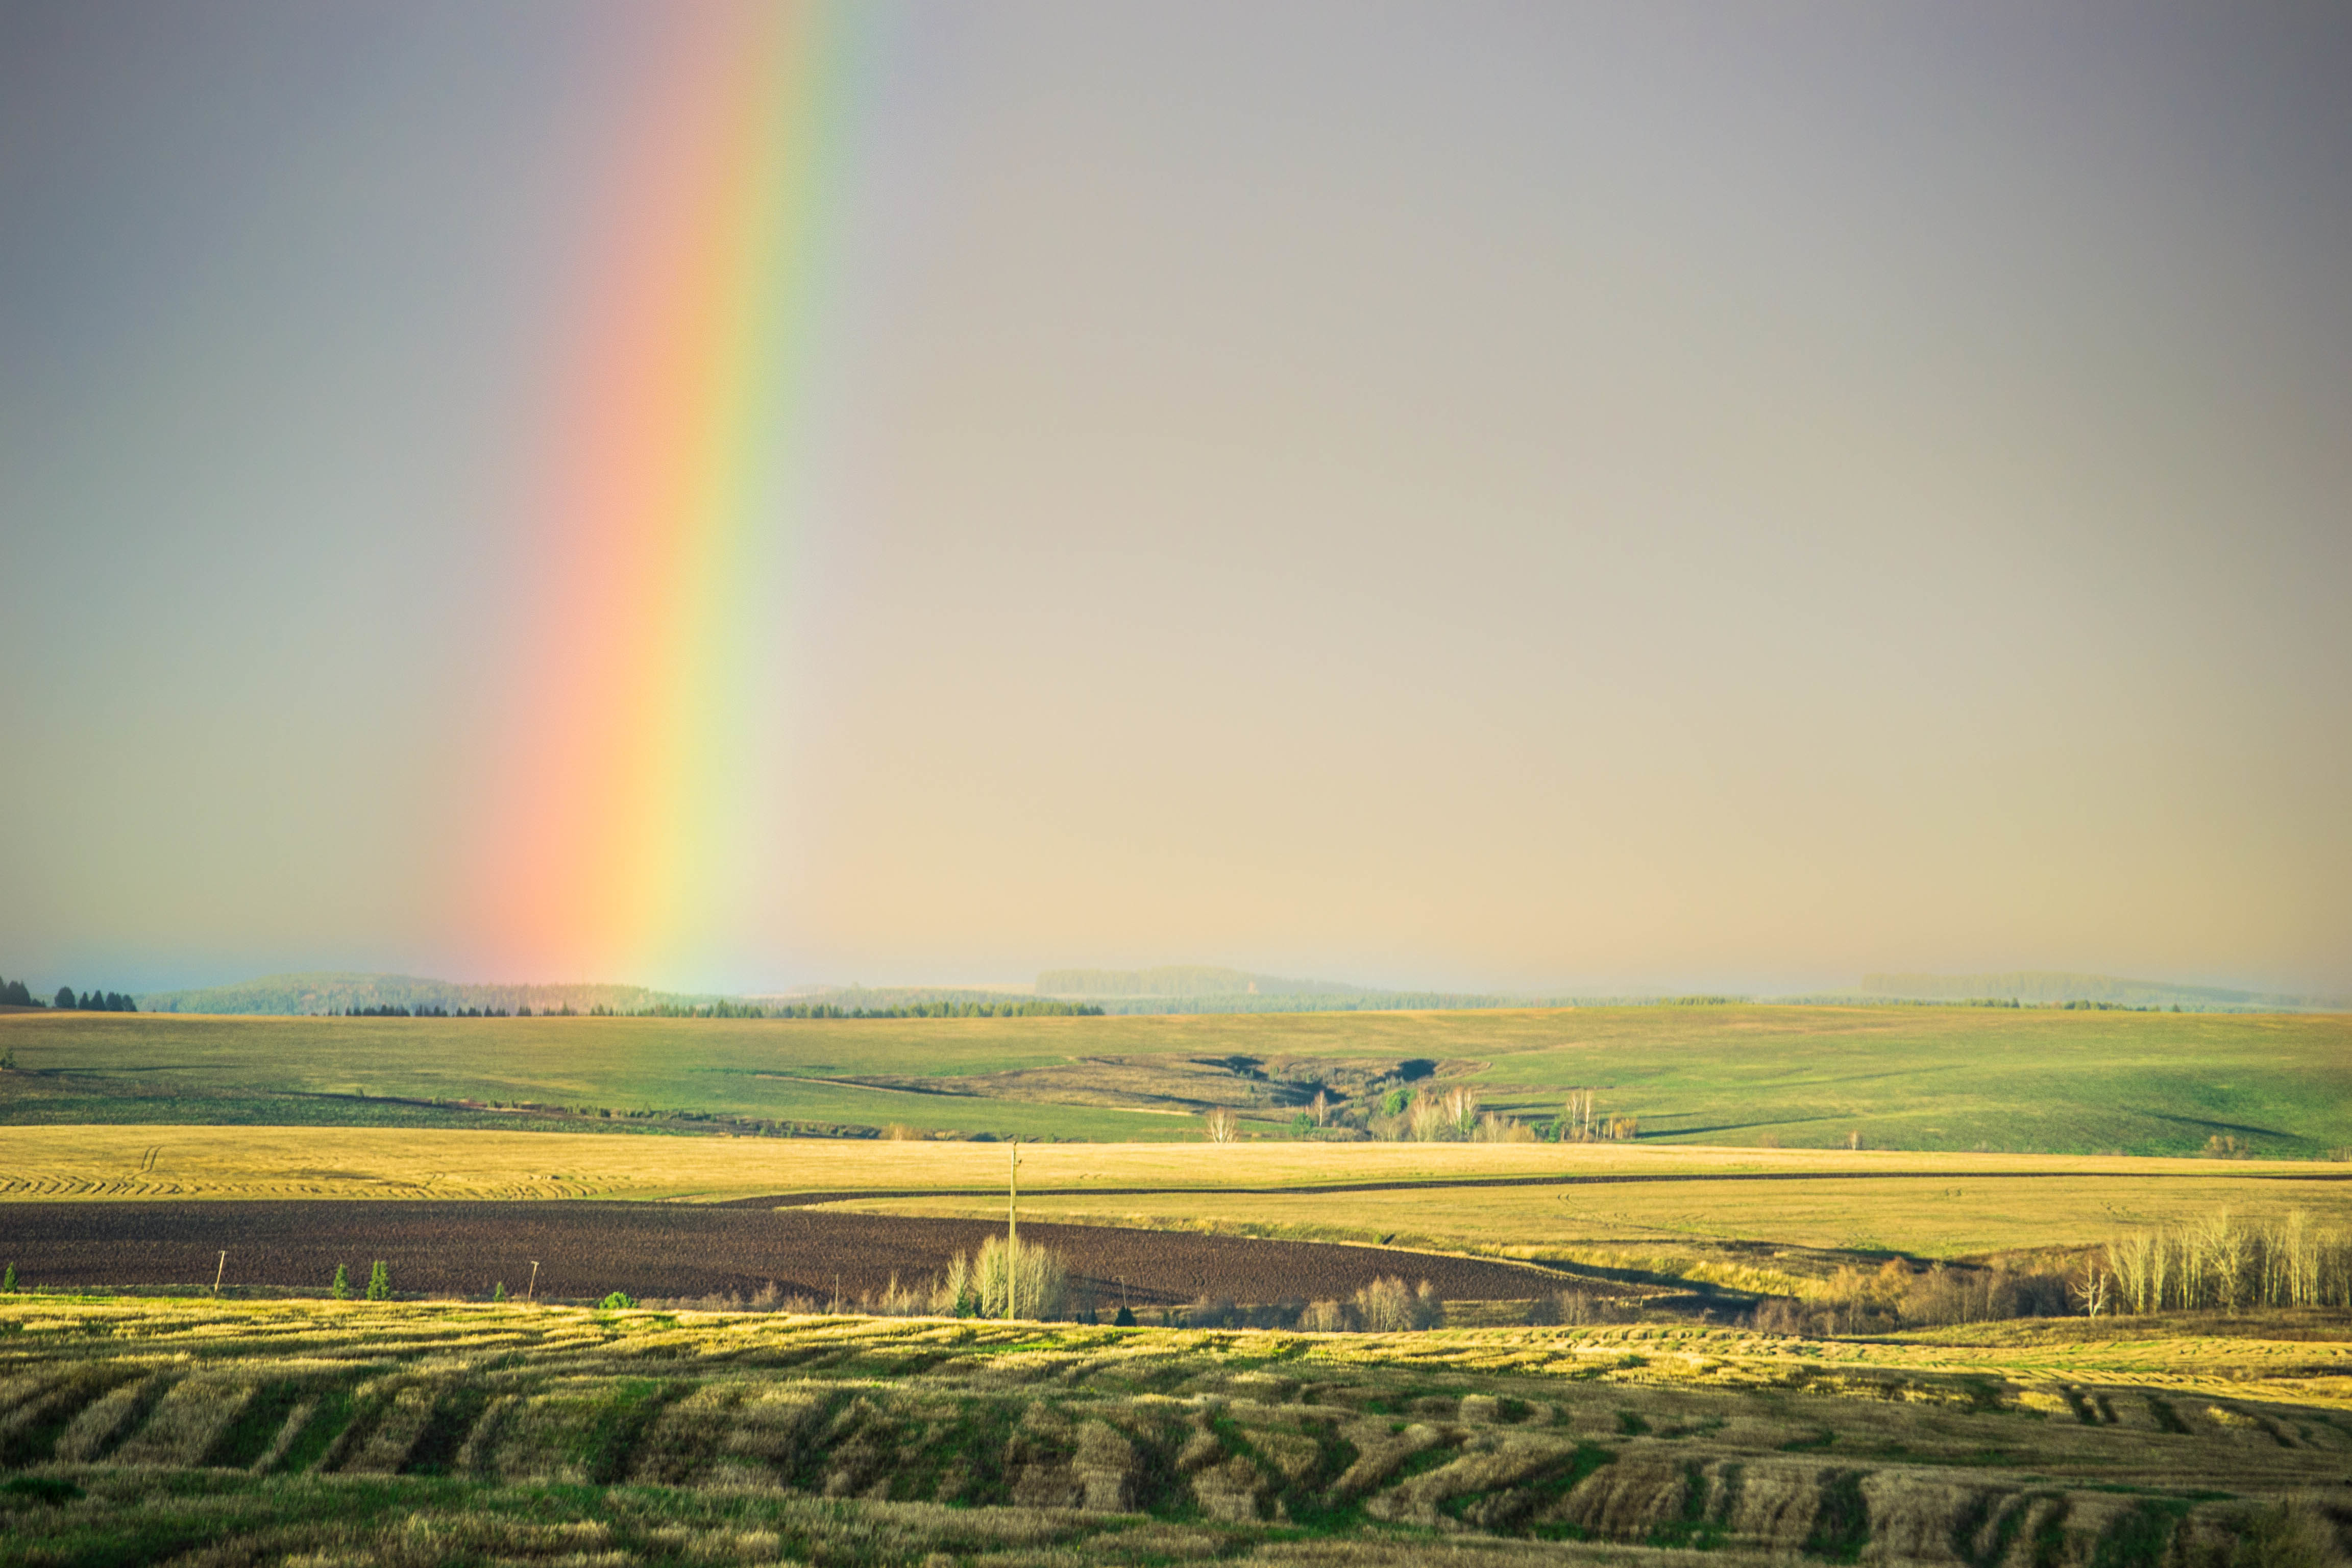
(1556, 495)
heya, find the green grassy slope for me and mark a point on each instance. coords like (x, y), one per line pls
(1915, 1077)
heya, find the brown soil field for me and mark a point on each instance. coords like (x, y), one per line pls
(586, 1249)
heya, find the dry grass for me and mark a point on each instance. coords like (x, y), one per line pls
(1728, 1232)
(50, 1164)
(423, 1435)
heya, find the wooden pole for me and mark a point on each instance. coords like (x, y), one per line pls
(1013, 1236)
(218, 1271)
(531, 1291)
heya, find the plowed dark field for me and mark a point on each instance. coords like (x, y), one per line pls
(586, 1249)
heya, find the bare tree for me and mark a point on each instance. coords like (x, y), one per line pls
(1321, 1107)
(1223, 1124)
(1578, 1115)
(1462, 1110)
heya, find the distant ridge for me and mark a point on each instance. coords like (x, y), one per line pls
(1205, 988)
(2057, 985)
(1184, 979)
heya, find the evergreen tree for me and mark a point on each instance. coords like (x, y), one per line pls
(8, 1281)
(65, 997)
(499, 1291)
(340, 1289)
(379, 1282)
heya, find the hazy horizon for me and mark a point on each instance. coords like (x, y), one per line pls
(729, 496)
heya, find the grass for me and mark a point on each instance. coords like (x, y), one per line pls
(1927, 1079)
(430, 1434)
(1713, 1227)
(1745, 1220)
(1616, 1193)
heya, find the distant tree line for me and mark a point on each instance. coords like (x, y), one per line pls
(17, 993)
(395, 1010)
(724, 1009)
(1039, 1008)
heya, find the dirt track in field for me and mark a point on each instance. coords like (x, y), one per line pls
(586, 1249)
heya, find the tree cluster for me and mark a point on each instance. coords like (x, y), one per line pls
(1030, 1008)
(2217, 1263)
(17, 993)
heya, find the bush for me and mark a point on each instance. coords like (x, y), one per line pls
(1037, 1286)
(1324, 1318)
(2289, 1534)
(617, 1301)
(379, 1282)
(1388, 1306)
(1575, 1309)
(1893, 1298)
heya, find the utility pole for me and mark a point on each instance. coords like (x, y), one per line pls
(218, 1272)
(1013, 1236)
(531, 1291)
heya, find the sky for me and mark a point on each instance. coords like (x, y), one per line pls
(1525, 497)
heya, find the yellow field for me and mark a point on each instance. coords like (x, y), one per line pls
(1672, 1226)
(2308, 1363)
(417, 1435)
(184, 1162)
(1695, 1204)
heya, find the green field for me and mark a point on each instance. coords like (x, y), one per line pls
(421, 1434)
(1907, 1077)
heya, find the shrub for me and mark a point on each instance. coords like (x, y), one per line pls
(1388, 1305)
(1893, 1297)
(2288, 1534)
(1575, 1309)
(499, 1291)
(379, 1287)
(1037, 1287)
(1324, 1318)
(618, 1300)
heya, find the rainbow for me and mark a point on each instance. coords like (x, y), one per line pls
(636, 814)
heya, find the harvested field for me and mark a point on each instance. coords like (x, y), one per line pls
(1645, 1222)
(99, 1161)
(418, 1435)
(586, 1249)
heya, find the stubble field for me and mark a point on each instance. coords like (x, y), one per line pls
(423, 1436)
